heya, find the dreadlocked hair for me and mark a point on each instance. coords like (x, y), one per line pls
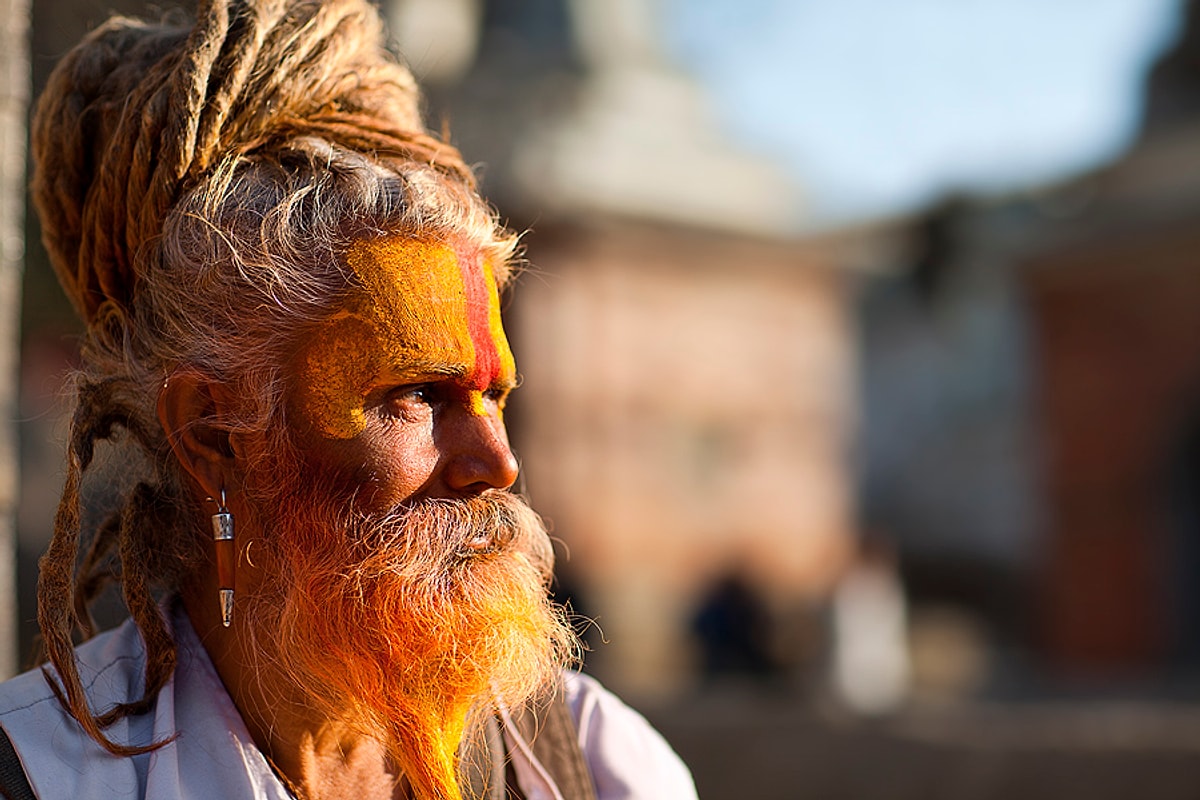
(196, 188)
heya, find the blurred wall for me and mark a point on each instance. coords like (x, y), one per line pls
(1115, 294)
(687, 413)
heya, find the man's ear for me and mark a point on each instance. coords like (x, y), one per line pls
(194, 410)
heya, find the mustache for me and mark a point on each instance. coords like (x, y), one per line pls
(442, 536)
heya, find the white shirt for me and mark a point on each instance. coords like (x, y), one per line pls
(215, 757)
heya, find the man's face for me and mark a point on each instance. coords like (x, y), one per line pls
(392, 584)
(401, 393)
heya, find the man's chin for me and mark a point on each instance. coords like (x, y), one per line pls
(404, 626)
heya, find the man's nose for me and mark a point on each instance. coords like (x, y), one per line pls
(480, 457)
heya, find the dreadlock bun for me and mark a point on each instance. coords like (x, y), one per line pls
(140, 112)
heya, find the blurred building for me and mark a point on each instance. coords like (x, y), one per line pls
(1031, 381)
(1114, 295)
(689, 397)
(947, 453)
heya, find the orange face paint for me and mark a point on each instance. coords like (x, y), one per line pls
(425, 310)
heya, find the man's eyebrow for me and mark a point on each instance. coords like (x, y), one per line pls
(505, 382)
(426, 369)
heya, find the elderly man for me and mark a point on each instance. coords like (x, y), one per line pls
(293, 332)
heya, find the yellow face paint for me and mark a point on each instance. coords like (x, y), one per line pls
(425, 310)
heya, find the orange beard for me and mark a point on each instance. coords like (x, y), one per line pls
(401, 625)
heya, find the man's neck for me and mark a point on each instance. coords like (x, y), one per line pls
(331, 766)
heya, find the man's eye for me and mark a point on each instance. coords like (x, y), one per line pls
(409, 400)
(497, 395)
(420, 394)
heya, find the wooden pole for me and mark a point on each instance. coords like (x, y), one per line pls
(14, 102)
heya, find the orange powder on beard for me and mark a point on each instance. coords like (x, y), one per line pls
(386, 615)
(422, 305)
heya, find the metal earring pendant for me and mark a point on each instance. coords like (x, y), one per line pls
(226, 555)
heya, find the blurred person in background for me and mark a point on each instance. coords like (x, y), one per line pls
(732, 627)
(293, 331)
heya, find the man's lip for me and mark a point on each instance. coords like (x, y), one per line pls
(488, 541)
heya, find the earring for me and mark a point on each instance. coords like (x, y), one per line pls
(222, 524)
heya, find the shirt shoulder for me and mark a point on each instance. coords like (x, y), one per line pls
(110, 668)
(628, 758)
(59, 759)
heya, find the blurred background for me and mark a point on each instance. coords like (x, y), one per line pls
(861, 356)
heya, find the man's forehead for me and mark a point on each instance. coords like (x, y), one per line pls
(434, 300)
(410, 270)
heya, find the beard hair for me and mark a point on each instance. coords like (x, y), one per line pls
(408, 624)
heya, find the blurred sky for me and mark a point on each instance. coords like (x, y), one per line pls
(877, 106)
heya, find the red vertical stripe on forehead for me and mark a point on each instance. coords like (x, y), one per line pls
(479, 300)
